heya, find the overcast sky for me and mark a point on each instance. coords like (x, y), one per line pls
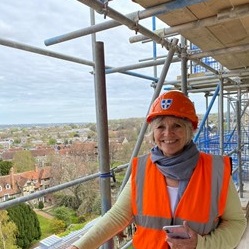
(41, 89)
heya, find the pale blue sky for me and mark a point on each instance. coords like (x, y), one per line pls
(40, 89)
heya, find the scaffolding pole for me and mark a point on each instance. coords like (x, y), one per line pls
(216, 52)
(184, 70)
(43, 192)
(134, 16)
(221, 117)
(157, 91)
(131, 24)
(36, 50)
(102, 132)
(140, 65)
(202, 124)
(238, 114)
(224, 16)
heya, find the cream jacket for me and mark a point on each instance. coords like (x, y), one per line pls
(226, 236)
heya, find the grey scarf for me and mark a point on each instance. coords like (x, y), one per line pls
(179, 167)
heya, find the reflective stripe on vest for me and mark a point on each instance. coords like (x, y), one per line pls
(201, 204)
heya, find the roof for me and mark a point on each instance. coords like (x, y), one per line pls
(49, 241)
(54, 241)
(220, 28)
(20, 179)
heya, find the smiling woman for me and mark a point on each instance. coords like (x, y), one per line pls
(171, 134)
(174, 184)
(173, 120)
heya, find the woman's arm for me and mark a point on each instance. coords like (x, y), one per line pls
(114, 221)
(230, 230)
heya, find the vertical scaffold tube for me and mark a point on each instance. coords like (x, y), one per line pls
(102, 132)
(157, 91)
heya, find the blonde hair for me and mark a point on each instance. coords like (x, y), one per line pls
(187, 124)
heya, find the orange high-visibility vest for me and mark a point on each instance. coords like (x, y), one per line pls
(201, 205)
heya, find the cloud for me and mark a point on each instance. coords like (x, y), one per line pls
(41, 89)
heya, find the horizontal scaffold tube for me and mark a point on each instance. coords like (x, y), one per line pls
(135, 16)
(40, 193)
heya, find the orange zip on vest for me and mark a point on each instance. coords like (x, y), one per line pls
(202, 203)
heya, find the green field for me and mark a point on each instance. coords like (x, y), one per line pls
(45, 225)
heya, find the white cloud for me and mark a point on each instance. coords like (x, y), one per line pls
(41, 89)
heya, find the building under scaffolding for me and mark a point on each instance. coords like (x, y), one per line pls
(214, 56)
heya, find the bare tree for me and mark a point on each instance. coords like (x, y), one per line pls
(75, 163)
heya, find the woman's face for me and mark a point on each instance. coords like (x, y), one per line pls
(170, 135)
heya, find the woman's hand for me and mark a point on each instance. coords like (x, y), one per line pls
(190, 243)
(72, 247)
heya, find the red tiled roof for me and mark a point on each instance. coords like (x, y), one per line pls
(20, 179)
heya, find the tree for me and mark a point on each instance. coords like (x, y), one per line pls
(52, 141)
(40, 205)
(5, 167)
(75, 164)
(27, 224)
(63, 213)
(58, 226)
(17, 140)
(23, 161)
(8, 232)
